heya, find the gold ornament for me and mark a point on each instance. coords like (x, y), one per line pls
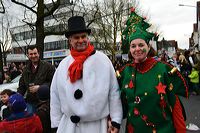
(129, 114)
(170, 107)
(154, 130)
(118, 74)
(126, 86)
(172, 71)
(171, 87)
(159, 76)
(133, 30)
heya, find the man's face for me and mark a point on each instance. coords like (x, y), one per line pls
(33, 55)
(79, 41)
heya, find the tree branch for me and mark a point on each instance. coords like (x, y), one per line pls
(3, 11)
(30, 24)
(51, 11)
(18, 3)
(94, 16)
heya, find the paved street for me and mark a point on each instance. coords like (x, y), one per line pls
(192, 108)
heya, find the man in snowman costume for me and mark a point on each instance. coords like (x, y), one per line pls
(85, 95)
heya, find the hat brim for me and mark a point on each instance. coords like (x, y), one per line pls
(69, 33)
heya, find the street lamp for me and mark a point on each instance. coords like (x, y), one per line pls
(197, 18)
(197, 10)
(186, 5)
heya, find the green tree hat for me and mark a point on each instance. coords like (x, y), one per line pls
(136, 27)
(137, 32)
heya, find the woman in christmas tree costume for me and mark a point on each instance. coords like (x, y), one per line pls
(149, 88)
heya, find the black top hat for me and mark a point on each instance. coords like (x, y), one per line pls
(76, 24)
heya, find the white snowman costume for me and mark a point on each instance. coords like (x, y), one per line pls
(100, 96)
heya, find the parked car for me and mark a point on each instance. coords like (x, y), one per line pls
(13, 85)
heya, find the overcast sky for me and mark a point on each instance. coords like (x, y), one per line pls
(173, 21)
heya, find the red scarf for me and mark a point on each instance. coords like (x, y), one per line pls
(76, 68)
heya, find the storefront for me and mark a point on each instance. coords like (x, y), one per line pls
(16, 58)
(55, 57)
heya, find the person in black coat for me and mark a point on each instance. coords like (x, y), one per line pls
(43, 108)
(36, 73)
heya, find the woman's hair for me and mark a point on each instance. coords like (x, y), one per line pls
(152, 52)
(130, 57)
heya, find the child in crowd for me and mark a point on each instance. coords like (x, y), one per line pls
(43, 108)
(194, 79)
(4, 95)
(20, 121)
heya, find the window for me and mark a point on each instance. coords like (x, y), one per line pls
(57, 45)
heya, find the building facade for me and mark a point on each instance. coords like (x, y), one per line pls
(170, 46)
(55, 46)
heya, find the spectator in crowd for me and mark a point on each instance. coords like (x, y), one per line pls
(21, 67)
(14, 73)
(174, 61)
(189, 59)
(194, 79)
(7, 77)
(20, 121)
(84, 89)
(43, 108)
(5, 111)
(149, 88)
(11, 67)
(1, 77)
(36, 73)
(164, 56)
(182, 58)
(186, 67)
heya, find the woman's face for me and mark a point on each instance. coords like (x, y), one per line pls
(139, 50)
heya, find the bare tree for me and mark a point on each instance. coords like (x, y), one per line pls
(109, 19)
(4, 44)
(41, 10)
(5, 41)
(105, 16)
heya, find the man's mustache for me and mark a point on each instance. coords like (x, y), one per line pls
(83, 43)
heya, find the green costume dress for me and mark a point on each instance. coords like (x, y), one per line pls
(148, 96)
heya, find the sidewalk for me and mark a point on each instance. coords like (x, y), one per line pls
(192, 109)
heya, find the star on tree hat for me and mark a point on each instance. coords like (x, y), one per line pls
(136, 27)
